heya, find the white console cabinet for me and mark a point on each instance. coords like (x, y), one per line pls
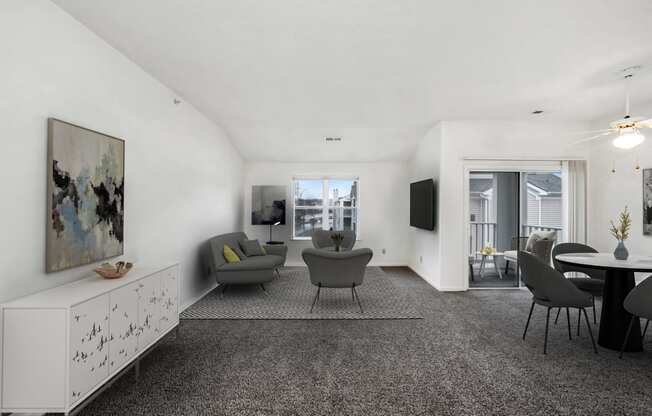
(61, 345)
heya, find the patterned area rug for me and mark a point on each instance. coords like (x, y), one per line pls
(290, 297)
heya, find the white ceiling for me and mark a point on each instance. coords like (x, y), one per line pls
(281, 75)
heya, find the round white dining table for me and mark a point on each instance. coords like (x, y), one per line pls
(619, 281)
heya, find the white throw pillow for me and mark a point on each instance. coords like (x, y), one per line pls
(539, 235)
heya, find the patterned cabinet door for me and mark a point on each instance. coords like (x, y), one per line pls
(89, 342)
(123, 343)
(149, 312)
(169, 298)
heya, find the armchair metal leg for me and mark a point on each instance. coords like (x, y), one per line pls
(645, 329)
(629, 330)
(352, 293)
(506, 266)
(557, 317)
(528, 320)
(223, 290)
(579, 320)
(355, 292)
(316, 297)
(262, 286)
(588, 325)
(569, 326)
(595, 321)
(545, 340)
(278, 273)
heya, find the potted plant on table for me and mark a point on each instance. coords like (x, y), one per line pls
(621, 233)
(337, 240)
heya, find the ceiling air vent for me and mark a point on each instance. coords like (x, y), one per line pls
(333, 139)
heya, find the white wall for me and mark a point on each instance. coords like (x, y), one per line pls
(609, 192)
(424, 244)
(444, 252)
(183, 177)
(383, 214)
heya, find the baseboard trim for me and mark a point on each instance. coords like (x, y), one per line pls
(452, 289)
(196, 299)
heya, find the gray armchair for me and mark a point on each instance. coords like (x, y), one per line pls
(331, 269)
(551, 289)
(322, 239)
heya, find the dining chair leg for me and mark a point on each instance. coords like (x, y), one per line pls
(645, 329)
(629, 330)
(568, 321)
(545, 339)
(579, 320)
(316, 297)
(588, 325)
(506, 267)
(528, 319)
(358, 298)
(557, 317)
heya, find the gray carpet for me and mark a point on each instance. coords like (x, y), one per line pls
(290, 296)
(465, 358)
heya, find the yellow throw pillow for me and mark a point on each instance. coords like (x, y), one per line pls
(229, 255)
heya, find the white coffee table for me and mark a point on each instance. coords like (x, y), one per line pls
(483, 263)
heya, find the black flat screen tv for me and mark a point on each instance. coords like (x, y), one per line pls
(422, 204)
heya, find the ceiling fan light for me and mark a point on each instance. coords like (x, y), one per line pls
(628, 139)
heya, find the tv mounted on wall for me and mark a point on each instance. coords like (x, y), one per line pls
(422, 204)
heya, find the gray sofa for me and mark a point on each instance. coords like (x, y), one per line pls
(250, 270)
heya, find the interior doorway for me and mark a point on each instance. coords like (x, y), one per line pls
(504, 209)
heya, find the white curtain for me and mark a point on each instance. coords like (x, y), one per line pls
(575, 197)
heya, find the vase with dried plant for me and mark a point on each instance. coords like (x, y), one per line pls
(621, 233)
(337, 238)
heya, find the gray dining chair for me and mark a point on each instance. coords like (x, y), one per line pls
(340, 270)
(551, 289)
(638, 304)
(593, 283)
(322, 239)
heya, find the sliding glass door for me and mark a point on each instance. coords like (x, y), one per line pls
(494, 221)
(505, 208)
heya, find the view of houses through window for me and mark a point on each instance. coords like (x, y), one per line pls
(330, 204)
(505, 208)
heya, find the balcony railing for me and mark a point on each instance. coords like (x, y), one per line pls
(482, 234)
(529, 229)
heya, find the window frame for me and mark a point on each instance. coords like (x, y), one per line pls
(325, 205)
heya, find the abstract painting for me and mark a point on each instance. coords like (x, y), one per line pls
(647, 201)
(85, 188)
(268, 204)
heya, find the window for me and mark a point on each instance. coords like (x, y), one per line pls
(330, 204)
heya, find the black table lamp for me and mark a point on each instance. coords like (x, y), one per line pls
(272, 242)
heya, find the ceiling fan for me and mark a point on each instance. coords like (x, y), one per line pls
(627, 129)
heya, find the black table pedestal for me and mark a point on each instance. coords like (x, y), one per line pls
(614, 319)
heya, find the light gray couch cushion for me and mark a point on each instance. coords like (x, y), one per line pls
(251, 248)
(539, 235)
